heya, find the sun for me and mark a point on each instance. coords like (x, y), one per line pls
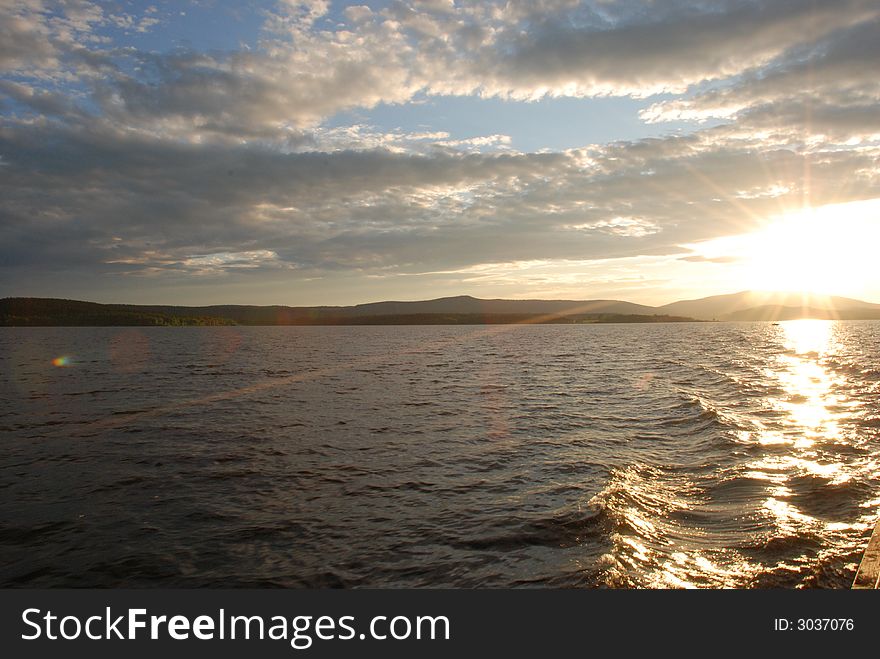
(806, 251)
(829, 250)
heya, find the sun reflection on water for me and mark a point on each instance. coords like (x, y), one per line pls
(810, 414)
(807, 336)
(780, 509)
(810, 407)
(809, 384)
(803, 419)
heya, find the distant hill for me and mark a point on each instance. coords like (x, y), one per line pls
(464, 309)
(468, 304)
(462, 304)
(757, 305)
(51, 312)
(451, 310)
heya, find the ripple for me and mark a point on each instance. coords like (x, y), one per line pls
(716, 455)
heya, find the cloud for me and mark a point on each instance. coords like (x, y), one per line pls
(77, 199)
(120, 162)
(662, 49)
(25, 37)
(59, 39)
(697, 258)
(824, 90)
(298, 75)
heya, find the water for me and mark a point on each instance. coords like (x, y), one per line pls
(664, 455)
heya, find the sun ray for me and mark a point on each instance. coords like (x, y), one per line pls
(811, 252)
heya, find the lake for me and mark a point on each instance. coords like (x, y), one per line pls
(653, 455)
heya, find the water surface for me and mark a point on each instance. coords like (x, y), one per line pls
(662, 455)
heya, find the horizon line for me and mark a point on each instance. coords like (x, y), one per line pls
(803, 294)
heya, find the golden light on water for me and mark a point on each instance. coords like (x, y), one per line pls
(807, 336)
(810, 407)
(809, 384)
(788, 517)
(796, 431)
(810, 403)
(809, 398)
(804, 416)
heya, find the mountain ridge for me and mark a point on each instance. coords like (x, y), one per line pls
(460, 309)
(731, 306)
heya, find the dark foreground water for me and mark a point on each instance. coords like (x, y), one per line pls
(709, 455)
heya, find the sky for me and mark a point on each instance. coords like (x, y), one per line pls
(314, 152)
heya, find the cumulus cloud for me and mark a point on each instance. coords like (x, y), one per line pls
(299, 74)
(663, 49)
(825, 89)
(73, 198)
(60, 38)
(119, 160)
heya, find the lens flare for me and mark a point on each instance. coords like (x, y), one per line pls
(62, 362)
